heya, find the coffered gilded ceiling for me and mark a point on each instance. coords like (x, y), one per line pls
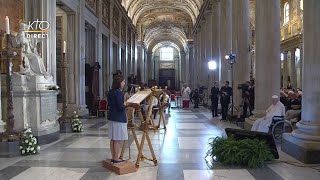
(163, 20)
(167, 20)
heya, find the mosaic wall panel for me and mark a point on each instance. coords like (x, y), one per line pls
(115, 21)
(92, 5)
(106, 13)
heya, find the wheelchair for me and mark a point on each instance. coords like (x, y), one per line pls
(279, 126)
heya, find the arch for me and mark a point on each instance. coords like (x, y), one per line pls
(158, 32)
(165, 43)
(178, 45)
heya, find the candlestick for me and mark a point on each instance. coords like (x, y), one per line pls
(64, 46)
(7, 25)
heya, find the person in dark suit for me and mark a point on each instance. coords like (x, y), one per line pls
(117, 124)
(252, 95)
(225, 94)
(214, 99)
(196, 97)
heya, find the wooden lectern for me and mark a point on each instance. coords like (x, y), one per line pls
(158, 93)
(135, 107)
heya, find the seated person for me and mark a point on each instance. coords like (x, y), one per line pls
(276, 109)
(289, 98)
(154, 105)
(283, 96)
(294, 107)
(165, 99)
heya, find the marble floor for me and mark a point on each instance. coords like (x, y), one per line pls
(180, 152)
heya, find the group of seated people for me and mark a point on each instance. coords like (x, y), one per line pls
(288, 106)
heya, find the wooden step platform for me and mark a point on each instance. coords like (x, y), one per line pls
(125, 167)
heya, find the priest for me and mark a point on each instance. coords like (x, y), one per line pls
(276, 109)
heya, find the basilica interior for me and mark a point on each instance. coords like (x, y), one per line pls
(59, 59)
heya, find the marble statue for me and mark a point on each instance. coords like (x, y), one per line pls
(33, 63)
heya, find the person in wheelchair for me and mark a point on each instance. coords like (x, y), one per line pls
(276, 109)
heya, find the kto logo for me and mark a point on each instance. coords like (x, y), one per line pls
(38, 29)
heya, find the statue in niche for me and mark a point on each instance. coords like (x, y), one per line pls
(95, 79)
(32, 62)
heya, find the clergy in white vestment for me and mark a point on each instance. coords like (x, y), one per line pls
(276, 109)
(185, 91)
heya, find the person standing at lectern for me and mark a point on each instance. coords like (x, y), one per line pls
(117, 125)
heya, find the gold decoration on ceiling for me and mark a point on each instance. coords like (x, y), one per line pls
(163, 20)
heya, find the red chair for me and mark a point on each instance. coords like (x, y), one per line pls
(173, 99)
(103, 106)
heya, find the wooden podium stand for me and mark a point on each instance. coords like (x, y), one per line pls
(134, 106)
(135, 102)
(157, 93)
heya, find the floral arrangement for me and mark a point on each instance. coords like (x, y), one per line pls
(76, 124)
(29, 144)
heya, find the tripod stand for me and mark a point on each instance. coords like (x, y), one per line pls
(232, 107)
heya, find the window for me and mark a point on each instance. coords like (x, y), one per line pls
(297, 57)
(286, 13)
(166, 53)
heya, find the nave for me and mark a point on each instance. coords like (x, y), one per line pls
(180, 152)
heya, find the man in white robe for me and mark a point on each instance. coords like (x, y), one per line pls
(185, 92)
(276, 109)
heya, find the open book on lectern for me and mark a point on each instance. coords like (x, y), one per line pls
(138, 97)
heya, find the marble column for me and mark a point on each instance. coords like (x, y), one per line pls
(150, 67)
(208, 48)
(285, 70)
(240, 46)
(198, 60)
(300, 65)
(183, 68)
(140, 64)
(81, 56)
(225, 38)
(267, 81)
(203, 69)
(293, 75)
(189, 64)
(215, 25)
(304, 142)
(193, 63)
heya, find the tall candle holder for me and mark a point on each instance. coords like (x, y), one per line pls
(65, 122)
(10, 134)
(64, 86)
